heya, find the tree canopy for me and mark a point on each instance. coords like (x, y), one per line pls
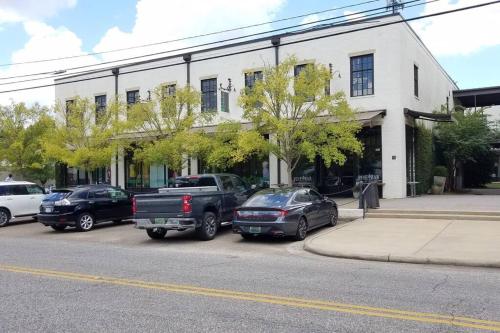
(83, 135)
(302, 118)
(467, 139)
(22, 131)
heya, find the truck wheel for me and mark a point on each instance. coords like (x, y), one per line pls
(4, 217)
(208, 227)
(156, 233)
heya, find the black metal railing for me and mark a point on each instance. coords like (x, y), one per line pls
(368, 196)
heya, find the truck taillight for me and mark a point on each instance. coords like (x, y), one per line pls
(134, 206)
(186, 204)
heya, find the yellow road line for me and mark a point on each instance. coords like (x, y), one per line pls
(266, 298)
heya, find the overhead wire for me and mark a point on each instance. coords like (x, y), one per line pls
(190, 37)
(199, 45)
(269, 47)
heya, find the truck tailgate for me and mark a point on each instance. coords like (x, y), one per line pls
(158, 205)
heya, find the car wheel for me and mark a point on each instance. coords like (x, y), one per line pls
(208, 227)
(334, 217)
(84, 222)
(156, 233)
(4, 217)
(301, 230)
(58, 227)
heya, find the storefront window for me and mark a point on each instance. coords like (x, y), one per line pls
(140, 175)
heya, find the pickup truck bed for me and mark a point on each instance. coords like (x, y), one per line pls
(199, 208)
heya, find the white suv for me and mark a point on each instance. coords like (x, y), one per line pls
(18, 200)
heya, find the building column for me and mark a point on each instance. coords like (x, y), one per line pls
(112, 167)
(121, 168)
(185, 166)
(394, 154)
(194, 166)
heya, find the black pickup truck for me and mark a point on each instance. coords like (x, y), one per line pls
(201, 203)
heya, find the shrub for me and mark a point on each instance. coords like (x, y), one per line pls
(440, 170)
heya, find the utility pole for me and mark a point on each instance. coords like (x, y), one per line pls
(395, 6)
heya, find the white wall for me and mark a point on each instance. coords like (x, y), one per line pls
(396, 49)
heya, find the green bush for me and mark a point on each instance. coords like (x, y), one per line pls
(440, 170)
(424, 159)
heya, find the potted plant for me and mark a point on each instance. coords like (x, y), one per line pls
(440, 173)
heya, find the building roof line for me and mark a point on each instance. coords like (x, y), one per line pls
(231, 45)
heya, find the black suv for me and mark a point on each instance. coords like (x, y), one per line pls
(84, 206)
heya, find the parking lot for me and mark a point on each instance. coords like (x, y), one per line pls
(185, 241)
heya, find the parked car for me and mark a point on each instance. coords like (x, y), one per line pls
(84, 206)
(284, 212)
(19, 200)
(201, 203)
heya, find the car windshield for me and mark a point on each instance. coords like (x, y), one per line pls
(57, 195)
(272, 200)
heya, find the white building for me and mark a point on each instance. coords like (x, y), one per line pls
(386, 71)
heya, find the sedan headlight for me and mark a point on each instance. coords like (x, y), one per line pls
(63, 202)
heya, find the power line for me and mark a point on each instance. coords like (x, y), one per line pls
(190, 37)
(200, 45)
(268, 47)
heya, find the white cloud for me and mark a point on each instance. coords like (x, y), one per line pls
(353, 15)
(460, 33)
(44, 42)
(22, 10)
(158, 20)
(310, 18)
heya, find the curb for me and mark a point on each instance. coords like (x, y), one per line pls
(398, 259)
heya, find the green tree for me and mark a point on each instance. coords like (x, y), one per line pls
(166, 124)
(466, 139)
(302, 120)
(22, 131)
(83, 136)
(232, 145)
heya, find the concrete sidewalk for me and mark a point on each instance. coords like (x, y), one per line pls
(447, 242)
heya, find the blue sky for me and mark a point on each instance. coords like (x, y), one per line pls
(467, 45)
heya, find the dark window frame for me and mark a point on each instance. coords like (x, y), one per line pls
(169, 90)
(252, 77)
(415, 80)
(100, 106)
(209, 95)
(136, 97)
(297, 69)
(368, 72)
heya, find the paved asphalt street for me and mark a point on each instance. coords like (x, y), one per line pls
(114, 279)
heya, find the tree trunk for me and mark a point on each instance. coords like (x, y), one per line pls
(289, 175)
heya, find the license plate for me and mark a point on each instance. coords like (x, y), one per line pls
(254, 230)
(159, 220)
(48, 210)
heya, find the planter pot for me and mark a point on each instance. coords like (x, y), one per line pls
(440, 181)
(437, 189)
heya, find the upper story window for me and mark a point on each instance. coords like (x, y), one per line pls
(251, 78)
(415, 80)
(100, 107)
(69, 107)
(133, 97)
(296, 72)
(169, 90)
(209, 95)
(362, 75)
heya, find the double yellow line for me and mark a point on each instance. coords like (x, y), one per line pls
(423, 317)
